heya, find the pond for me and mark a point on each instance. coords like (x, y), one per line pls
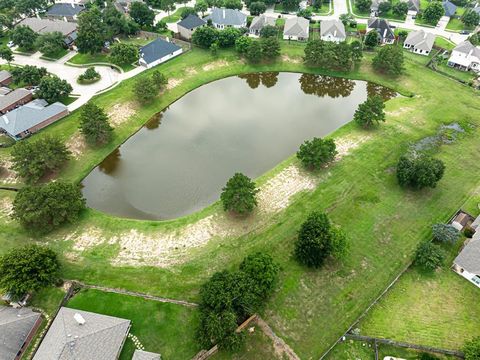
(180, 160)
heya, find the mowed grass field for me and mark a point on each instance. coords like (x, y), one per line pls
(168, 329)
(310, 308)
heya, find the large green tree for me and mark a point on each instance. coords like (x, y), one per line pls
(122, 54)
(6, 54)
(52, 88)
(141, 14)
(41, 209)
(471, 18)
(28, 268)
(94, 124)
(239, 195)
(389, 60)
(429, 256)
(372, 39)
(28, 74)
(50, 43)
(92, 31)
(34, 159)
(419, 172)
(29, 7)
(370, 112)
(254, 52)
(315, 153)
(24, 37)
(270, 48)
(433, 12)
(257, 8)
(205, 36)
(363, 5)
(328, 55)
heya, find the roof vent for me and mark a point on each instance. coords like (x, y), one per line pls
(79, 319)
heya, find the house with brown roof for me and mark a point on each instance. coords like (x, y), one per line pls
(5, 78)
(14, 99)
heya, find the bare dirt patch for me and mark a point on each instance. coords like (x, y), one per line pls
(6, 209)
(172, 83)
(215, 65)
(7, 176)
(346, 144)
(121, 113)
(190, 71)
(292, 60)
(77, 145)
(86, 239)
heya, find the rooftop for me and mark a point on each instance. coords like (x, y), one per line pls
(382, 26)
(157, 49)
(449, 7)
(332, 27)
(421, 39)
(43, 26)
(191, 22)
(296, 26)
(469, 257)
(145, 355)
(4, 75)
(65, 9)
(13, 97)
(259, 22)
(224, 16)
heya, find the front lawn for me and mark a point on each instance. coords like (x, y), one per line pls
(457, 25)
(465, 76)
(55, 56)
(174, 17)
(444, 43)
(163, 328)
(86, 59)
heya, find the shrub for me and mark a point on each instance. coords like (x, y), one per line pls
(205, 36)
(471, 349)
(270, 48)
(419, 172)
(242, 44)
(29, 74)
(94, 124)
(239, 195)
(389, 60)
(427, 356)
(261, 268)
(28, 268)
(42, 209)
(269, 31)
(254, 52)
(370, 112)
(52, 88)
(468, 232)
(429, 256)
(89, 76)
(50, 43)
(122, 54)
(315, 153)
(445, 233)
(372, 39)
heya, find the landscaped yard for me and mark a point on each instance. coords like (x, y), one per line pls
(465, 76)
(456, 24)
(85, 59)
(56, 56)
(175, 16)
(168, 329)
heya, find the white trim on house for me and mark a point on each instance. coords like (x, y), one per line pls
(161, 60)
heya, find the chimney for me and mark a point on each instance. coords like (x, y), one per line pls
(79, 319)
(224, 13)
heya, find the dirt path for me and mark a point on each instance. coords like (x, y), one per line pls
(281, 347)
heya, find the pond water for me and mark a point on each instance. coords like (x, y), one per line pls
(178, 163)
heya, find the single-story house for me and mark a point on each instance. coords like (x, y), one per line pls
(187, 26)
(17, 328)
(65, 11)
(157, 52)
(465, 56)
(77, 334)
(5, 77)
(296, 28)
(467, 263)
(44, 26)
(145, 355)
(14, 99)
(259, 22)
(4, 90)
(413, 6)
(332, 30)
(374, 7)
(30, 118)
(223, 18)
(419, 42)
(387, 36)
(449, 7)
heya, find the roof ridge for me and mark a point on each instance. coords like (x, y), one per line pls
(19, 319)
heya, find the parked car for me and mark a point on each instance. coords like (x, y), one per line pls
(10, 44)
(464, 32)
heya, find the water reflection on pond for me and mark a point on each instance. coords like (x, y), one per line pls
(178, 163)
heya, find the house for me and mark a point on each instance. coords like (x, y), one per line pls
(462, 220)
(449, 7)
(14, 99)
(223, 18)
(17, 328)
(30, 118)
(413, 6)
(145, 355)
(374, 8)
(77, 334)
(296, 28)
(467, 263)
(332, 30)
(259, 22)
(383, 29)
(5, 78)
(44, 26)
(65, 11)
(157, 52)
(187, 26)
(419, 42)
(124, 5)
(465, 56)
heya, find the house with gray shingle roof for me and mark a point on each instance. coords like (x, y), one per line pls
(14, 98)
(5, 77)
(44, 26)
(223, 18)
(467, 263)
(157, 52)
(17, 327)
(332, 30)
(419, 42)
(65, 11)
(259, 22)
(145, 355)
(83, 335)
(465, 56)
(187, 26)
(296, 28)
(383, 29)
(413, 6)
(450, 8)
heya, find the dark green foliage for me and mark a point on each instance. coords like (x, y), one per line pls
(370, 112)
(261, 268)
(141, 14)
(6, 54)
(122, 54)
(50, 43)
(34, 159)
(445, 233)
(433, 12)
(214, 48)
(402, 34)
(317, 240)
(389, 60)
(372, 39)
(219, 328)
(471, 349)
(328, 55)
(227, 37)
(257, 8)
(269, 31)
(239, 195)
(41, 209)
(470, 18)
(29, 7)
(233, 4)
(475, 39)
(429, 256)
(146, 89)
(290, 5)
(24, 37)
(94, 124)
(254, 52)
(270, 48)
(52, 88)
(117, 23)
(90, 75)
(242, 44)
(201, 6)
(28, 268)
(419, 172)
(159, 79)
(30, 75)
(400, 8)
(205, 36)
(315, 153)
(363, 5)
(92, 31)
(305, 13)
(427, 356)
(468, 232)
(357, 51)
(384, 7)
(187, 11)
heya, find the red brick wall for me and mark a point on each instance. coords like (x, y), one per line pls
(47, 122)
(27, 98)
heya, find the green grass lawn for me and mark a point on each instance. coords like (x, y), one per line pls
(422, 22)
(310, 308)
(455, 73)
(427, 309)
(163, 328)
(444, 43)
(457, 25)
(85, 59)
(55, 56)
(174, 17)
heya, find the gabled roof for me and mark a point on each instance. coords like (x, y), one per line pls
(469, 257)
(191, 22)
(332, 27)
(224, 16)
(145, 355)
(449, 7)
(100, 337)
(296, 26)
(4, 75)
(383, 28)
(413, 5)
(25, 117)
(43, 26)
(13, 97)
(15, 325)
(65, 9)
(376, 4)
(420, 39)
(259, 22)
(467, 47)
(157, 49)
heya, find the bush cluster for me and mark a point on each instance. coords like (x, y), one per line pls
(419, 172)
